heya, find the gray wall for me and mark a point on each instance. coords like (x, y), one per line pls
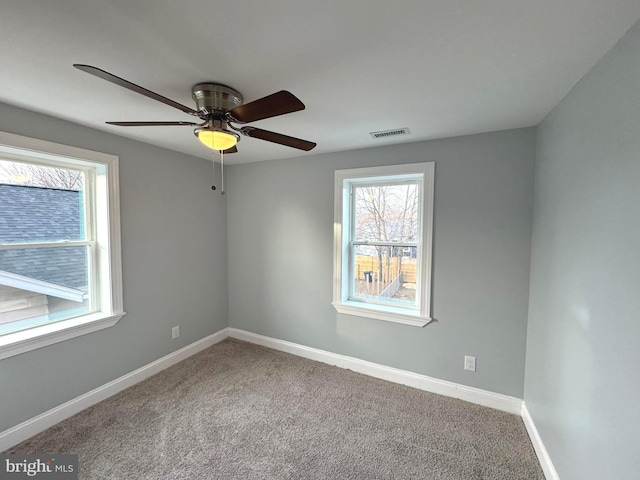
(280, 225)
(583, 358)
(174, 271)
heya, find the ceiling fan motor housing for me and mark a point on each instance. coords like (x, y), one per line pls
(215, 98)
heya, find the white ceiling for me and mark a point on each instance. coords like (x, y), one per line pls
(441, 68)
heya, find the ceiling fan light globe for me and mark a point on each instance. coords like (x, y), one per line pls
(217, 139)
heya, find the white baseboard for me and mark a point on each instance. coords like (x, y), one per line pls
(37, 424)
(541, 451)
(423, 382)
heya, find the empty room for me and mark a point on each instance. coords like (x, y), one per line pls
(320, 240)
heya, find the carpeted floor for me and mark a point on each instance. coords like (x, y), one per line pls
(241, 411)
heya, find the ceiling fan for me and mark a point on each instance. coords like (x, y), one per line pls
(219, 107)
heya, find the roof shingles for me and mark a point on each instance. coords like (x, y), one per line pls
(38, 214)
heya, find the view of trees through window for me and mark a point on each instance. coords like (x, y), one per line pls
(29, 174)
(385, 241)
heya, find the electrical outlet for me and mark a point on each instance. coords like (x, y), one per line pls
(470, 363)
(175, 332)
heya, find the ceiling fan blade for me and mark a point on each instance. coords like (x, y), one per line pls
(278, 138)
(151, 124)
(272, 105)
(231, 150)
(109, 77)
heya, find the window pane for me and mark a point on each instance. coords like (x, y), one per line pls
(384, 275)
(42, 285)
(40, 203)
(387, 213)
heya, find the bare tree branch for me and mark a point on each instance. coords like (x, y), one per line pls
(18, 173)
(386, 213)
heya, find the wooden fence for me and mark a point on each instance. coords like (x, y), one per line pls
(390, 270)
(393, 287)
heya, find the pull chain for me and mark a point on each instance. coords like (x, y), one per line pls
(213, 160)
(221, 172)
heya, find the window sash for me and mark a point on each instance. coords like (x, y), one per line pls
(351, 278)
(384, 182)
(92, 276)
(89, 214)
(43, 286)
(353, 297)
(88, 191)
(388, 180)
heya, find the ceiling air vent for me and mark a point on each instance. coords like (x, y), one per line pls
(390, 133)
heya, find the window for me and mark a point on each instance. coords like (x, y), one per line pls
(382, 242)
(60, 267)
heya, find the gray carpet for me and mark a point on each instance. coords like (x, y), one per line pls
(241, 411)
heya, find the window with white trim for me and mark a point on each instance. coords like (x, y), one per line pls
(60, 266)
(383, 223)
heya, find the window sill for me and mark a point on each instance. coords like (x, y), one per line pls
(388, 314)
(38, 337)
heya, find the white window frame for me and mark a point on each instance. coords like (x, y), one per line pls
(103, 198)
(344, 181)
